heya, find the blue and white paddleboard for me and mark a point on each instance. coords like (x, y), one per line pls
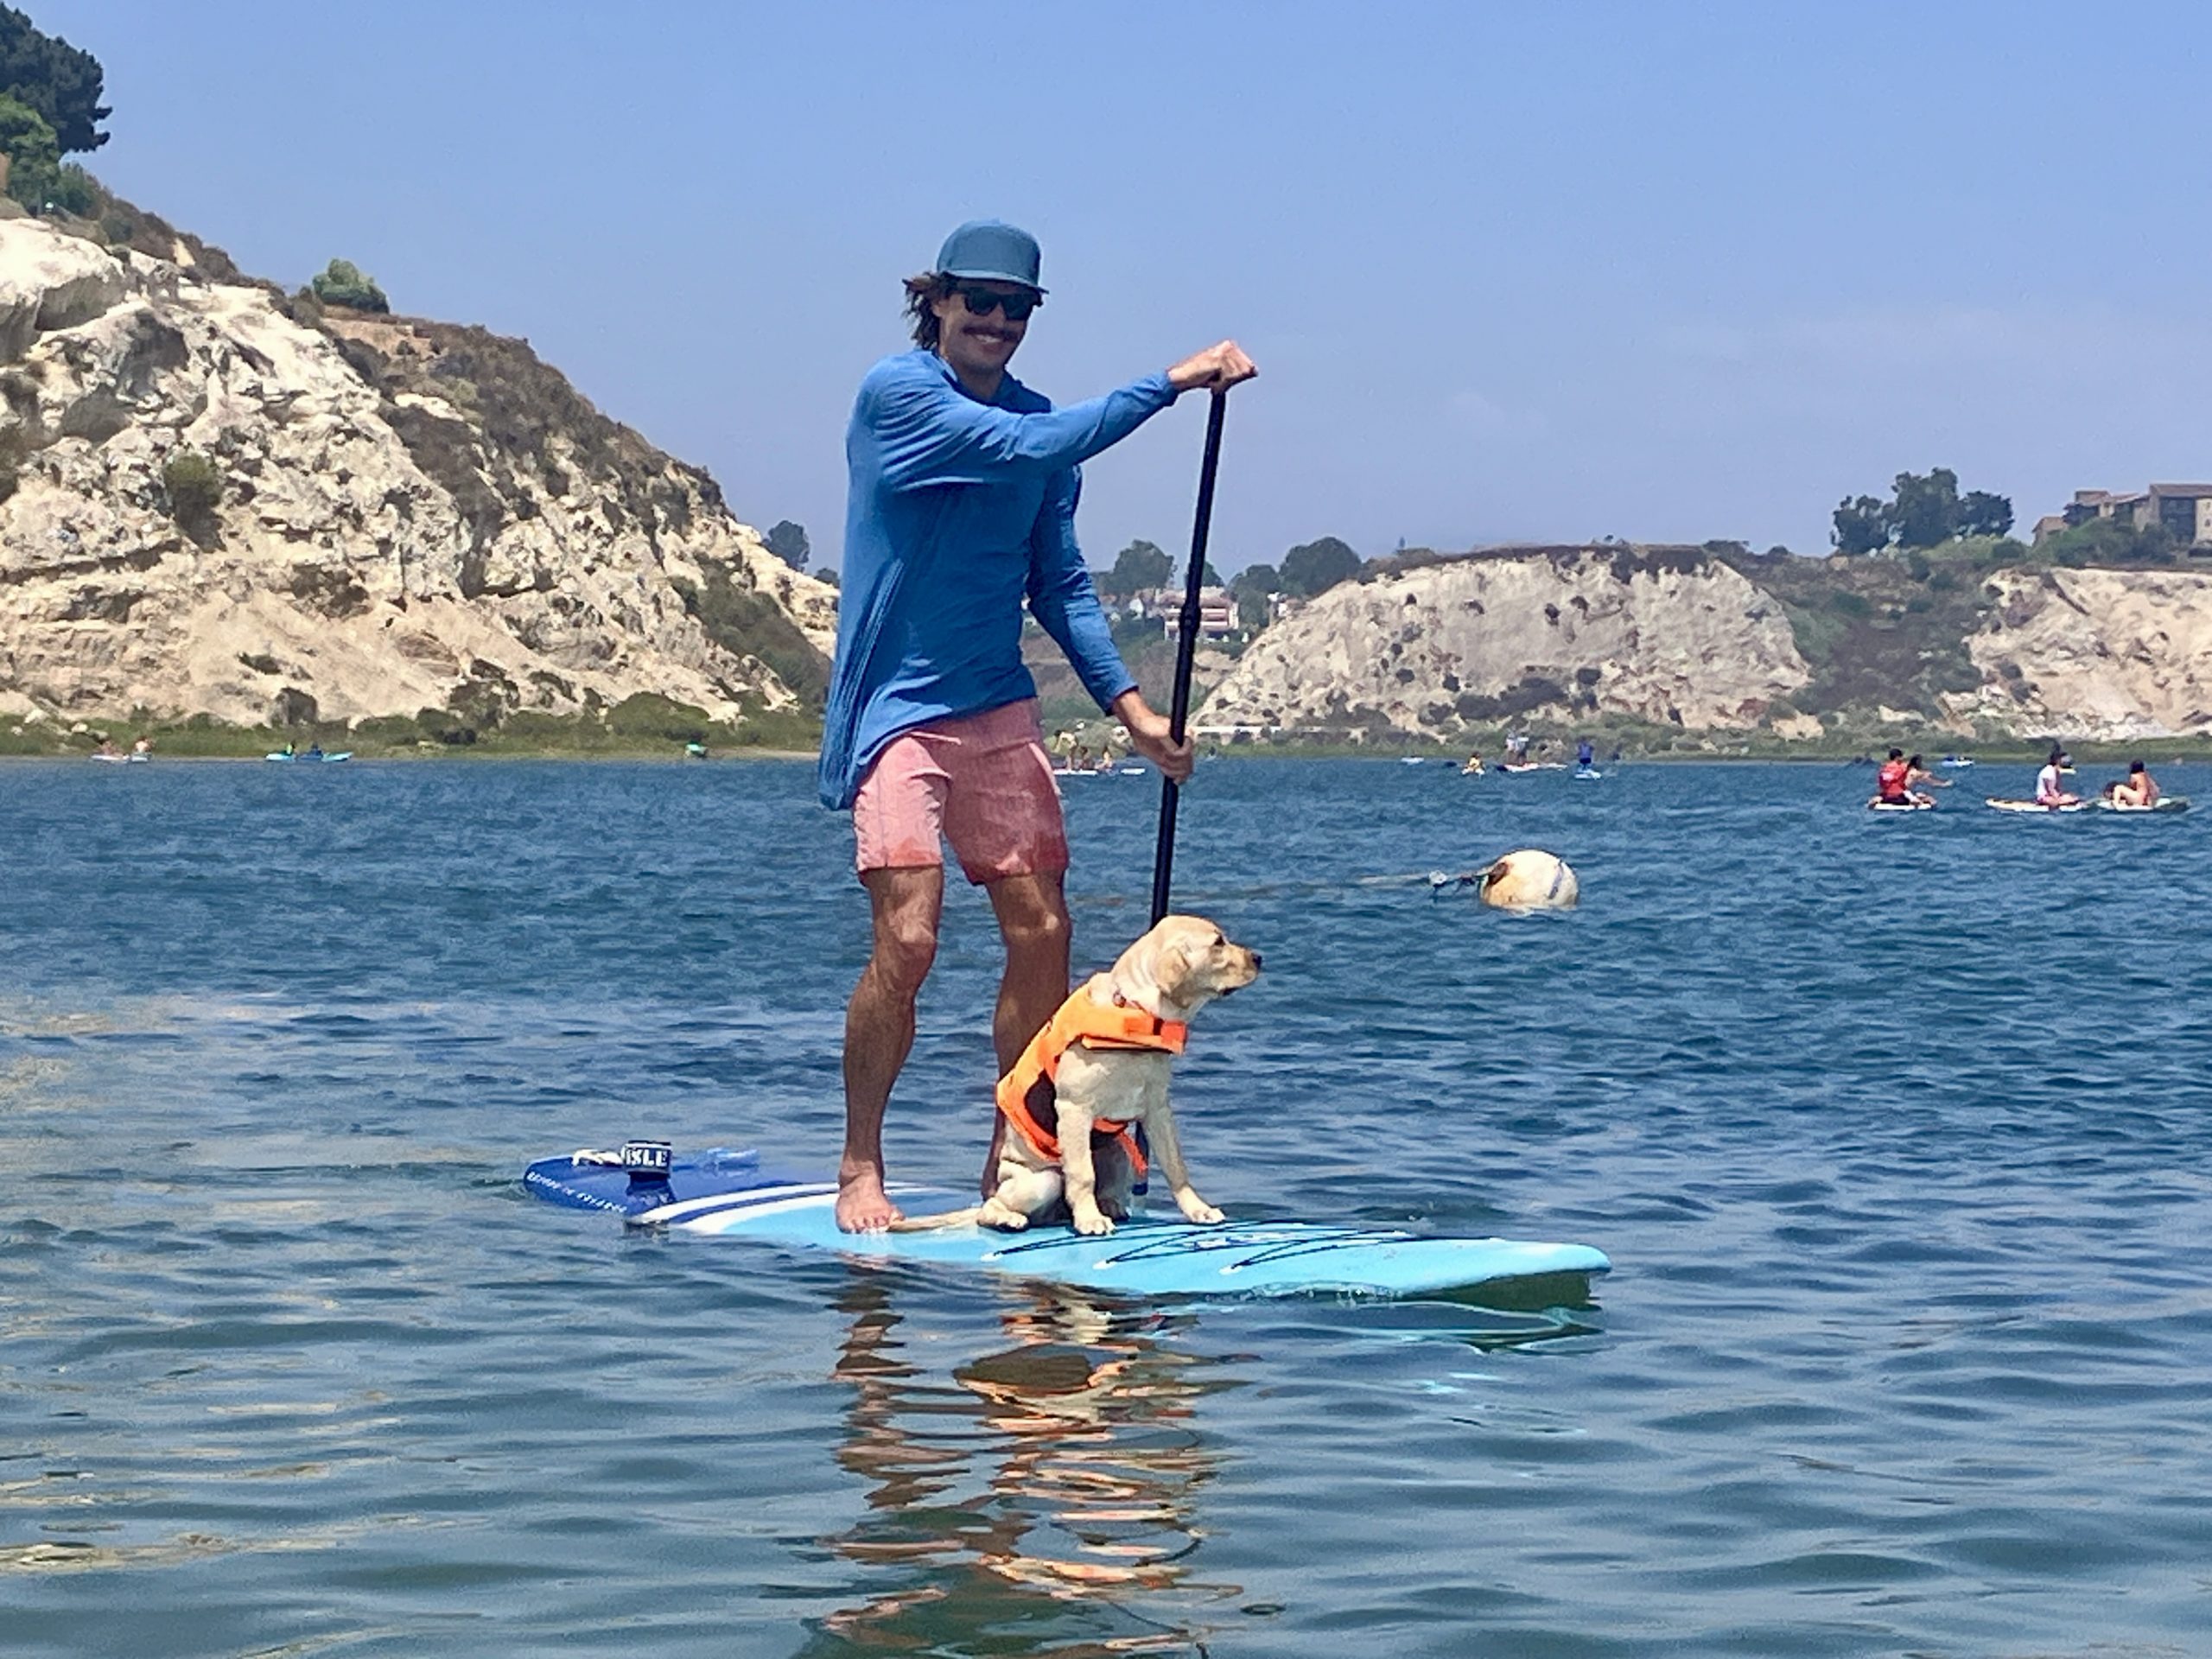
(728, 1193)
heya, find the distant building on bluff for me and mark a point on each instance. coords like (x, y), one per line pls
(2183, 510)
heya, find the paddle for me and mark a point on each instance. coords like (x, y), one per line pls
(1186, 644)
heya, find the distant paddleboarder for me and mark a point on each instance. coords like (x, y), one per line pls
(961, 507)
(1889, 782)
(2141, 789)
(2050, 788)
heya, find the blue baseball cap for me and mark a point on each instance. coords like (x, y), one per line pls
(992, 249)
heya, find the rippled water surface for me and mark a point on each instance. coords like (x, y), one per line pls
(1895, 1129)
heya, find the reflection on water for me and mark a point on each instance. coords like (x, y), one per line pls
(1040, 1497)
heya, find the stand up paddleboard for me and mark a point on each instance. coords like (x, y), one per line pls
(728, 1194)
(1900, 806)
(2166, 803)
(2007, 803)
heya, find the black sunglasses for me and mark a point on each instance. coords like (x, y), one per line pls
(981, 301)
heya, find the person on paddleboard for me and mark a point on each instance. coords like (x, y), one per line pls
(1915, 772)
(2051, 789)
(1889, 782)
(2141, 788)
(961, 507)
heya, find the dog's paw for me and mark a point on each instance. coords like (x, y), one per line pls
(1199, 1210)
(1004, 1218)
(1093, 1224)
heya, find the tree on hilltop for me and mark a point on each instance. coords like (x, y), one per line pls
(344, 283)
(1981, 513)
(60, 81)
(1140, 566)
(1926, 510)
(786, 539)
(1313, 568)
(1251, 587)
(1862, 523)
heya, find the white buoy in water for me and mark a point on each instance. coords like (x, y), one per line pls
(1529, 880)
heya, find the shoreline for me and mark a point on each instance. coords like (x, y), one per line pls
(2169, 752)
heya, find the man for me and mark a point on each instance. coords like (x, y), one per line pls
(1889, 783)
(961, 503)
(2051, 790)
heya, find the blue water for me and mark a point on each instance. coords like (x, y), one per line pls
(1894, 1127)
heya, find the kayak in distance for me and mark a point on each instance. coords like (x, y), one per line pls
(726, 1193)
(311, 757)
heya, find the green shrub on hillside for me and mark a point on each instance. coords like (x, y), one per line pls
(746, 622)
(34, 157)
(74, 191)
(2107, 541)
(647, 713)
(344, 283)
(194, 485)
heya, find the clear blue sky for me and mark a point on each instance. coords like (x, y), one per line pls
(1664, 271)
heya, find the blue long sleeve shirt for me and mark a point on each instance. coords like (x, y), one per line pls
(959, 510)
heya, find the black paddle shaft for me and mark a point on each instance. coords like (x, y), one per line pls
(1186, 644)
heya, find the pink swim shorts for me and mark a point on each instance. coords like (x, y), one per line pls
(982, 782)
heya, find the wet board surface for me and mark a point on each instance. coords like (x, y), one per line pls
(729, 1194)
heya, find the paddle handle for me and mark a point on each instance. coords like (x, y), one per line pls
(1186, 644)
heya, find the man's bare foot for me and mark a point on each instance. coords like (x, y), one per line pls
(861, 1205)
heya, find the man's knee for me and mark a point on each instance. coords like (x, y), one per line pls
(1038, 933)
(906, 946)
(1033, 916)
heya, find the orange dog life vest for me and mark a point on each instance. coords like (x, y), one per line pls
(1026, 1094)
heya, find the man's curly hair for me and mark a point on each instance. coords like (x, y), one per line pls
(922, 292)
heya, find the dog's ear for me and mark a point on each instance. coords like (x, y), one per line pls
(1172, 968)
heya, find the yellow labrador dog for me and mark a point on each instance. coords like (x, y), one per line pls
(1097, 1070)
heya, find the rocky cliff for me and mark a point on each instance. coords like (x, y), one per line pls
(226, 502)
(1667, 639)
(2094, 654)
(1792, 648)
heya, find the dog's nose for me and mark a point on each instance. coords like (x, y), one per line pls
(1256, 959)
